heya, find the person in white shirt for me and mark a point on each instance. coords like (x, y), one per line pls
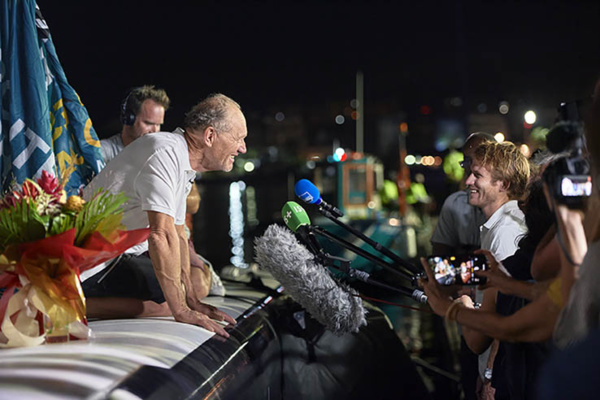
(499, 176)
(156, 173)
(142, 112)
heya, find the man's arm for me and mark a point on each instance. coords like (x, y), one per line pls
(164, 247)
(195, 288)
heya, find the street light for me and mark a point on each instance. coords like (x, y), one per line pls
(530, 117)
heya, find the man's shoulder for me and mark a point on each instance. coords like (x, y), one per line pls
(111, 146)
(458, 202)
(459, 197)
(512, 212)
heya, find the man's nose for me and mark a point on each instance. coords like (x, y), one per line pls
(470, 180)
(242, 148)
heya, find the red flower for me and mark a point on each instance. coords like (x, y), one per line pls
(30, 189)
(50, 184)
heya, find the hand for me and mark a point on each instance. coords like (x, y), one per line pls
(494, 276)
(190, 316)
(436, 297)
(466, 301)
(211, 311)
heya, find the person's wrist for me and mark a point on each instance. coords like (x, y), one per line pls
(453, 309)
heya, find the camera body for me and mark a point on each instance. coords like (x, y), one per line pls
(458, 270)
(568, 178)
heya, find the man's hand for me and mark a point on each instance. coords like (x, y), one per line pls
(493, 275)
(436, 296)
(204, 319)
(211, 311)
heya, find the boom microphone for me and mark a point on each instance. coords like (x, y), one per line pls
(309, 193)
(334, 305)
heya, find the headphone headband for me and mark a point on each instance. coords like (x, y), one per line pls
(127, 115)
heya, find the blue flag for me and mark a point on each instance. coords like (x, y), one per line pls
(43, 124)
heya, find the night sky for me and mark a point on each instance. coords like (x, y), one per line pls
(302, 59)
(268, 55)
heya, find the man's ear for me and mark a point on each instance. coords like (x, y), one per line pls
(504, 185)
(210, 135)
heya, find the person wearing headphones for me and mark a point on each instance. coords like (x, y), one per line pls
(142, 112)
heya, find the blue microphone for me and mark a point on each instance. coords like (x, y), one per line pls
(309, 193)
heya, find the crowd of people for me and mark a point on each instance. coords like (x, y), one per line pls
(534, 317)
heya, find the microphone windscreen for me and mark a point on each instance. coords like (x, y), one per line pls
(334, 305)
(294, 215)
(307, 191)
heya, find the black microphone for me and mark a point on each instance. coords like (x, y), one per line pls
(365, 254)
(415, 294)
(398, 261)
(309, 193)
(335, 305)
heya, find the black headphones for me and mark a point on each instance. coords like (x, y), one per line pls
(127, 116)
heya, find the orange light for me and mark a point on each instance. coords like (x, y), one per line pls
(355, 115)
(403, 127)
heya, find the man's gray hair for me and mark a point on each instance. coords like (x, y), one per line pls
(212, 111)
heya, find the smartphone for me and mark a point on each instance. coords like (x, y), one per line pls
(458, 270)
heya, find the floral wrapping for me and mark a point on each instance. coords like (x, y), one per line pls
(46, 241)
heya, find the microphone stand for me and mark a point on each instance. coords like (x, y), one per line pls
(344, 266)
(365, 254)
(377, 246)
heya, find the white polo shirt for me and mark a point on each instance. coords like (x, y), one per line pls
(502, 232)
(155, 174)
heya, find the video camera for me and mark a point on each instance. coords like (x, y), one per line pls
(568, 177)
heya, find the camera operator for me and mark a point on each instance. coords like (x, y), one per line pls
(580, 274)
(573, 372)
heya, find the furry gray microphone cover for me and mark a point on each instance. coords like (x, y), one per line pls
(333, 304)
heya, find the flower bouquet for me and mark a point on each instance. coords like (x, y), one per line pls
(46, 241)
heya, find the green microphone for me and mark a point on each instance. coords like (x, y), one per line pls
(296, 219)
(294, 216)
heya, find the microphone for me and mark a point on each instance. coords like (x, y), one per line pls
(309, 193)
(297, 220)
(335, 306)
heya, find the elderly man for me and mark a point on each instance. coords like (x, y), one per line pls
(142, 112)
(156, 172)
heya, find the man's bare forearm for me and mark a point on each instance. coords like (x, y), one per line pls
(184, 255)
(164, 248)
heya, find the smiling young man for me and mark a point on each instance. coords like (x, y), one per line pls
(499, 176)
(498, 179)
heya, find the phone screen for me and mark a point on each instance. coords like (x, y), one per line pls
(458, 270)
